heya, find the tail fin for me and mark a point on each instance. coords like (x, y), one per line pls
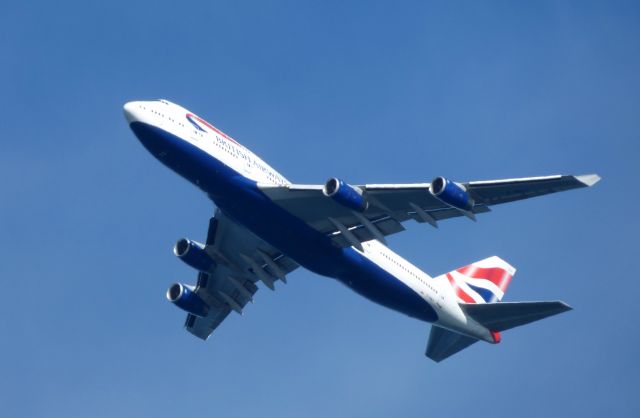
(506, 315)
(484, 281)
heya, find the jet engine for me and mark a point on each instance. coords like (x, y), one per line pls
(451, 193)
(345, 194)
(185, 298)
(193, 254)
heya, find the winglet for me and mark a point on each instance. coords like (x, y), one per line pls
(588, 179)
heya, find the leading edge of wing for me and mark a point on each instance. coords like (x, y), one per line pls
(587, 180)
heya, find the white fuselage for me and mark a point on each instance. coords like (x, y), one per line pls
(435, 291)
(181, 123)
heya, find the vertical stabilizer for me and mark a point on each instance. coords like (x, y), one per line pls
(484, 281)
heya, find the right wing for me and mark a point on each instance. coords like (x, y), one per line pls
(241, 259)
(392, 204)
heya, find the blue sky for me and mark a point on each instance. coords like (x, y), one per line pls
(367, 91)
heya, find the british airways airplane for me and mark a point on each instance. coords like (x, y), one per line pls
(265, 227)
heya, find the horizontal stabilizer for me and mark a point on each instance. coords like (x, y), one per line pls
(506, 315)
(444, 343)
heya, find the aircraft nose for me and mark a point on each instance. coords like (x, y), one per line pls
(131, 111)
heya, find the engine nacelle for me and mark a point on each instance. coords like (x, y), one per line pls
(194, 255)
(184, 298)
(345, 194)
(451, 193)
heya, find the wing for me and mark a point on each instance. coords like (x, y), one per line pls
(389, 205)
(241, 259)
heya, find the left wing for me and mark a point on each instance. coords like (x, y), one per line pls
(241, 259)
(388, 205)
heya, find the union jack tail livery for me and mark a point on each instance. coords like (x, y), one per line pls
(484, 281)
(479, 289)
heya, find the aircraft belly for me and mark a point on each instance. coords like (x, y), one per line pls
(243, 202)
(315, 252)
(376, 284)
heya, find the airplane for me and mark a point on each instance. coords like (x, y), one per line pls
(264, 227)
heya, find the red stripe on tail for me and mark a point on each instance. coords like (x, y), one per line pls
(495, 275)
(461, 293)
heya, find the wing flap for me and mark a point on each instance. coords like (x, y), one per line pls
(232, 284)
(386, 225)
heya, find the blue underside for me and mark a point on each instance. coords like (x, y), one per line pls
(241, 200)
